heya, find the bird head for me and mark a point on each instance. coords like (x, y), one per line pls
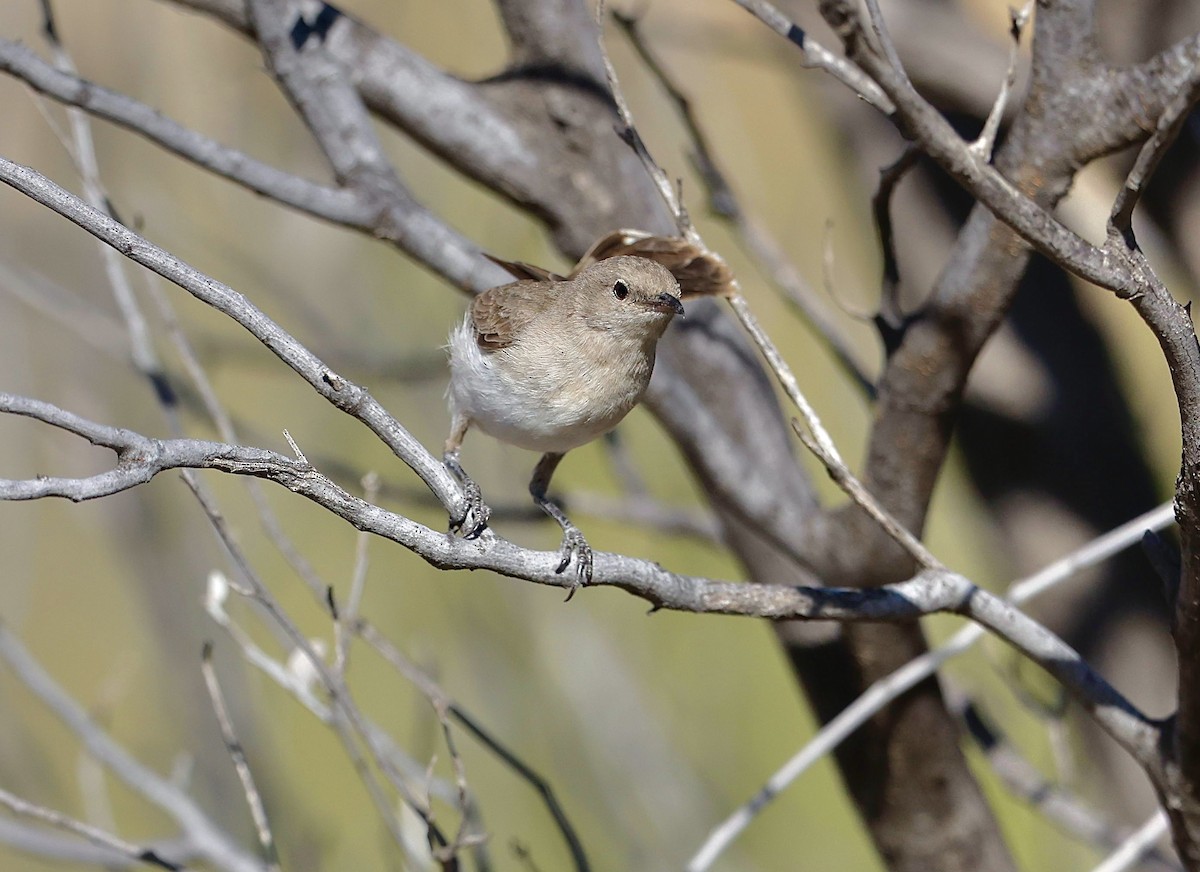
(631, 293)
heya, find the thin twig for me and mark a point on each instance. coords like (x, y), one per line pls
(1134, 848)
(1170, 122)
(752, 232)
(1062, 808)
(462, 838)
(345, 719)
(817, 440)
(237, 753)
(348, 615)
(883, 38)
(986, 141)
(423, 682)
(815, 55)
(890, 321)
(204, 837)
(96, 836)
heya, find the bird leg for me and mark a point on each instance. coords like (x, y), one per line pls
(473, 505)
(573, 541)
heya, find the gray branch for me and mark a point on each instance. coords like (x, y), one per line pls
(204, 837)
(929, 592)
(339, 391)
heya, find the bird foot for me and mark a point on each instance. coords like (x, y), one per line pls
(475, 513)
(473, 519)
(573, 544)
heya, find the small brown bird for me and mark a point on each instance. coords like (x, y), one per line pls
(550, 365)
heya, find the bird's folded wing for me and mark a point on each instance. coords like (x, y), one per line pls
(502, 314)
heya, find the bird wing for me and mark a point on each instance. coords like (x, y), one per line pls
(521, 270)
(502, 314)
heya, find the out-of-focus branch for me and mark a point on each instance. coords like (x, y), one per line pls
(50, 846)
(297, 678)
(410, 226)
(451, 116)
(1059, 806)
(96, 836)
(816, 56)
(332, 204)
(204, 837)
(1136, 846)
(238, 754)
(438, 697)
(345, 718)
(549, 37)
(893, 686)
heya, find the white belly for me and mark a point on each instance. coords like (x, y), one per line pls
(540, 399)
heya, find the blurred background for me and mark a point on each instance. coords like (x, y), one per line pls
(651, 728)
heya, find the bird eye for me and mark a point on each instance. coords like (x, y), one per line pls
(620, 290)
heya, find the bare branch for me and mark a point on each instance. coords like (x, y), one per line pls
(1170, 122)
(332, 204)
(752, 232)
(1134, 848)
(986, 141)
(1059, 806)
(343, 394)
(816, 56)
(206, 838)
(471, 724)
(238, 754)
(96, 836)
(891, 687)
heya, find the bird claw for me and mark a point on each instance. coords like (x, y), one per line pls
(473, 507)
(474, 510)
(573, 544)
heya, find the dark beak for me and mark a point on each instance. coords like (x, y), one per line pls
(666, 303)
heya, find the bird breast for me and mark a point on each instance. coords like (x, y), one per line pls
(547, 395)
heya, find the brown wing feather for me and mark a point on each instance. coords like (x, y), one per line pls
(501, 314)
(521, 270)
